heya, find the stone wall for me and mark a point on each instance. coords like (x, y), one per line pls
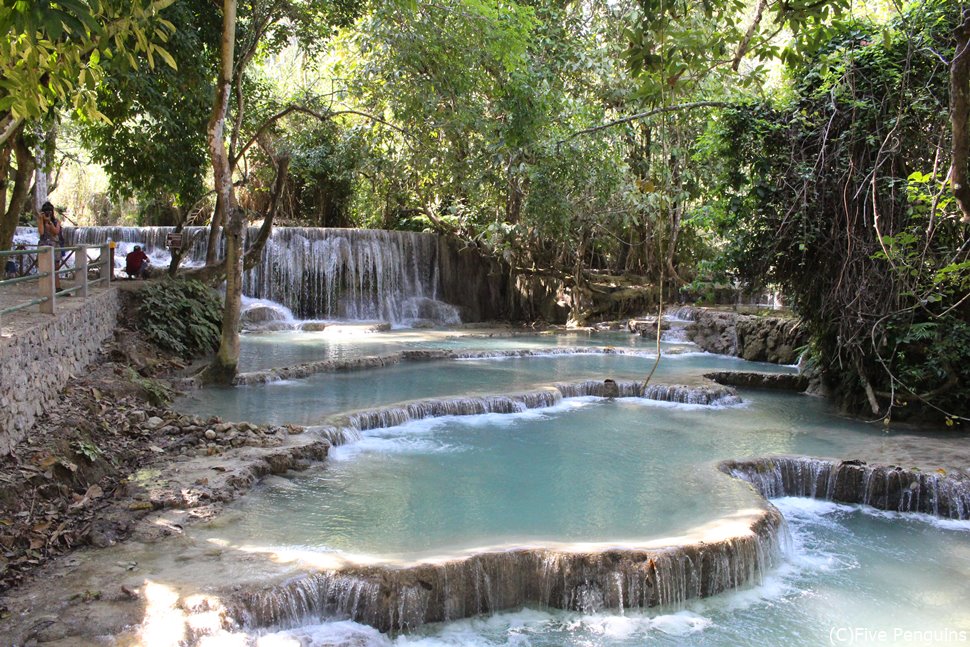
(37, 363)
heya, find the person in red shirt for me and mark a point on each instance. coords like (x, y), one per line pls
(136, 263)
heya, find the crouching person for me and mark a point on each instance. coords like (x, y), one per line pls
(137, 264)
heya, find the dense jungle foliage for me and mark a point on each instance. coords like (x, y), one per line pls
(815, 147)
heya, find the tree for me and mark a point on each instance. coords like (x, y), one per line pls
(154, 145)
(265, 27)
(841, 197)
(51, 58)
(52, 52)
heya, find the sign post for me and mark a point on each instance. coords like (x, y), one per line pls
(173, 240)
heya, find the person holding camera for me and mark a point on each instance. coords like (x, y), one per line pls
(50, 233)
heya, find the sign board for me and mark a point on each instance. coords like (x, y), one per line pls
(173, 241)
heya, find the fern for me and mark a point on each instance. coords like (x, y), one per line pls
(181, 316)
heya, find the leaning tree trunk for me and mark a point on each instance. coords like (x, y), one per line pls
(223, 367)
(21, 190)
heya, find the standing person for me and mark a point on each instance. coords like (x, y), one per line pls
(50, 235)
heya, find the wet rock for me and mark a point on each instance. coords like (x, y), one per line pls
(774, 381)
(261, 315)
(313, 326)
(754, 338)
(646, 327)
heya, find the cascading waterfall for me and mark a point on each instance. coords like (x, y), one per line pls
(347, 429)
(886, 487)
(715, 395)
(403, 598)
(319, 273)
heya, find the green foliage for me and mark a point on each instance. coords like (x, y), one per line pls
(155, 143)
(837, 196)
(158, 393)
(181, 316)
(53, 53)
(87, 449)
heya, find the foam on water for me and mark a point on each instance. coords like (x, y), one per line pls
(411, 437)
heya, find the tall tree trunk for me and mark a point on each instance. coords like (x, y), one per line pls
(42, 174)
(222, 370)
(6, 150)
(960, 115)
(21, 190)
(223, 367)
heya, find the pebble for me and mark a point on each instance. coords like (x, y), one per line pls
(210, 434)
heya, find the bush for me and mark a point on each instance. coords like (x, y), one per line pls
(181, 316)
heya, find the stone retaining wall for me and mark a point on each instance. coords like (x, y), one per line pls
(37, 363)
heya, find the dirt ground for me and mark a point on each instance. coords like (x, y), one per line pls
(112, 463)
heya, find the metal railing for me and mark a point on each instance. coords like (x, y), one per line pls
(46, 264)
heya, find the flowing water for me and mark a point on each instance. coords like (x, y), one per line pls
(588, 472)
(311, 400)
(261, 351)
(317, 273)
(854, 576)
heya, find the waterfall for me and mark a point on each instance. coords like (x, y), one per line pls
(393, 598)
(347, 428)
(886, 487)
(707, 395)
(683, 313)
(318, 273)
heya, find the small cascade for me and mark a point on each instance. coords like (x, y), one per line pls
(675, 334)
(403, 598)
(463, 406)
(318, 273)
(259, 315)
(336, 436)
(347, 428)
(683, 313)
(706, 395)
(886, 487)
(306, 369)
(25, 236)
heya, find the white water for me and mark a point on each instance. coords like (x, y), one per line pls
(853, 575)
(317, 273)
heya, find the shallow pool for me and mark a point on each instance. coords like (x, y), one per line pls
(313, 399)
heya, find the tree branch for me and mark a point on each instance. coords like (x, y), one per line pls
(321, 116)
(746, 41)
(649, 113)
